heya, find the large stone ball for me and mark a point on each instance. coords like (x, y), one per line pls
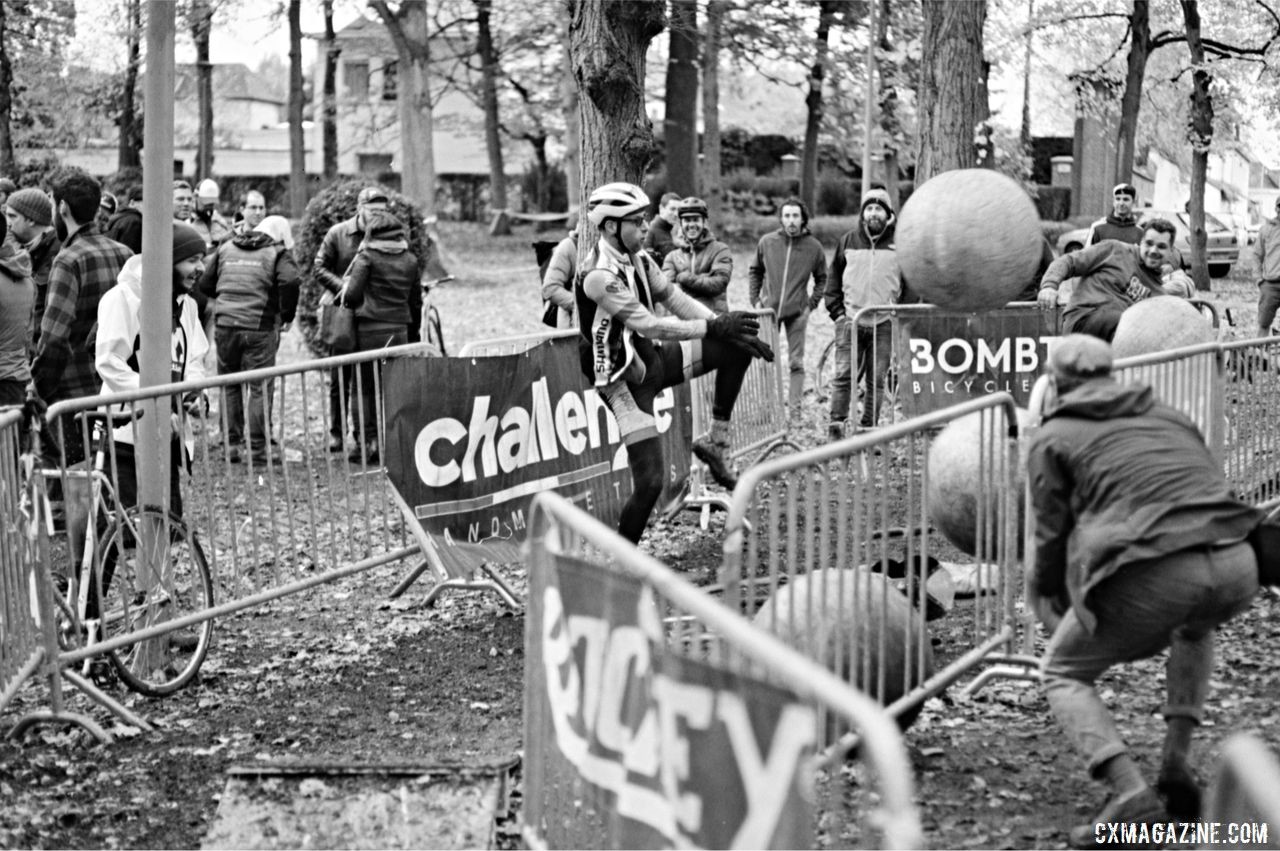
(969, 240)
(836, 618)
(959, 489)
(1159, 324)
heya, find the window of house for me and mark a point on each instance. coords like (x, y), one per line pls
(355, 79)
(389, 80)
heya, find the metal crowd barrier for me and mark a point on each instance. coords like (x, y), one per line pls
(1188, 379)
(1251, 399)
(512, 345)
(21, 636)
(613, 715)
(1245, 794)
(797, 524)
(759, 423)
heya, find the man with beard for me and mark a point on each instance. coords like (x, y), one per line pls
(29, 214)
(1113, 275)
(699, 264)
(864, 271)
(125, 226)
(208, 221)
(1121, 224)
(660, 238)
(778, 278)
(85, 268)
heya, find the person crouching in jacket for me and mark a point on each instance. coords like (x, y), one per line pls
(384, 290)
(779, 278)
(699, 264)
(1139, 545)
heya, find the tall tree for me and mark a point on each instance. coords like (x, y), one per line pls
(201, 21)
(1140, 47)
(712, 188)
(408, 26)
(128, 122)
(329, 97)
(813, 101)
(607, 44)
(679, 126)
(950, 83)
(7, 164)
(1200, 137)
(489, 88)
(297, 147)
(572, 133)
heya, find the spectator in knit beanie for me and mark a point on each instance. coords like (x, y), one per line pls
(29, 215)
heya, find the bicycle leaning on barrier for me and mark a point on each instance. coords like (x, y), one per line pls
(137, 567)
(430, 330)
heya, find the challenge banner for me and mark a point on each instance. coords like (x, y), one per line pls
(470, 441)
(663, 751)
(946, 358)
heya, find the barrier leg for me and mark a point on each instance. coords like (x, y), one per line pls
(404, 584)
(1013, 667)
(33, 718)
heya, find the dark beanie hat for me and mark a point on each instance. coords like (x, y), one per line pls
(383, 225)
(33, 204)
(187, 242)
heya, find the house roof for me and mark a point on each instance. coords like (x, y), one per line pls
(231, 81)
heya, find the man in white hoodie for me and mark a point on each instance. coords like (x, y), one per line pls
(117, 342)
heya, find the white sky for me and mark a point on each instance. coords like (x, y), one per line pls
(248, 32)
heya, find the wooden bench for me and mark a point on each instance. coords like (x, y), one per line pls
(504, 220)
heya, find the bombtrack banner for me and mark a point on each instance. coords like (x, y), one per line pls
(946, 358)
(470, 441)
(672, 751)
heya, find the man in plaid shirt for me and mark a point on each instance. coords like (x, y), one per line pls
(85, 268)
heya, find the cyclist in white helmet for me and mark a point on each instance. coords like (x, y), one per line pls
(624, 355)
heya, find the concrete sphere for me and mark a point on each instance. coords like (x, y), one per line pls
(969, 240)
(836, 616)
(958, 486)
(1159, 324)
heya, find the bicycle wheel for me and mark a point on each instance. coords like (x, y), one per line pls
(435, 336)
(134, 598)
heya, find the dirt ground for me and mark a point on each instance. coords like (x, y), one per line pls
(343, 675)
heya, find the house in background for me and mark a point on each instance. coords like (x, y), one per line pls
(368, 123)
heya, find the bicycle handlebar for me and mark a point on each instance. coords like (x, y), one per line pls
(426, 285)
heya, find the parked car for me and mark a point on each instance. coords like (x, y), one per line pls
(1222, 246)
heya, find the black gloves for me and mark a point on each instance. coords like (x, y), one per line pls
(730, 326)
(740, 328)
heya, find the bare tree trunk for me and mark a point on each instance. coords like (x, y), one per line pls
(813, 101)
(201, 23)
(679, 127)
(297, 149)
(489, 84)
(1200, 135)
(329, 97)
(1131, 101)
(869, 98)
(408, 28)
(7, 164)
(712, 190)
(572, 133)
(890, 120)
(129, 143)
(950, 80)
(1024, 134)
(607, 44)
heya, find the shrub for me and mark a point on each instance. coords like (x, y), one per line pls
(1053, 203)
(336, 204)
(35, 171)
(835, 196)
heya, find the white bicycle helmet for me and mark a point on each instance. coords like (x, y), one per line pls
(615, 201)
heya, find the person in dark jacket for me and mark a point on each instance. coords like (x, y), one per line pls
(660, 238)
(699, 264)
(864, 272)
(1121, 223)
(337, 250)
(1139, 545)
(253, 281)
(1112, 276)
(17, 293)
(125, 227)
(384, 290)
(786, 261)
(29, 215)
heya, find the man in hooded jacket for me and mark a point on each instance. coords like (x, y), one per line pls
(1139, 545)
(699, 264)
(864, 272)
(253, 281)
